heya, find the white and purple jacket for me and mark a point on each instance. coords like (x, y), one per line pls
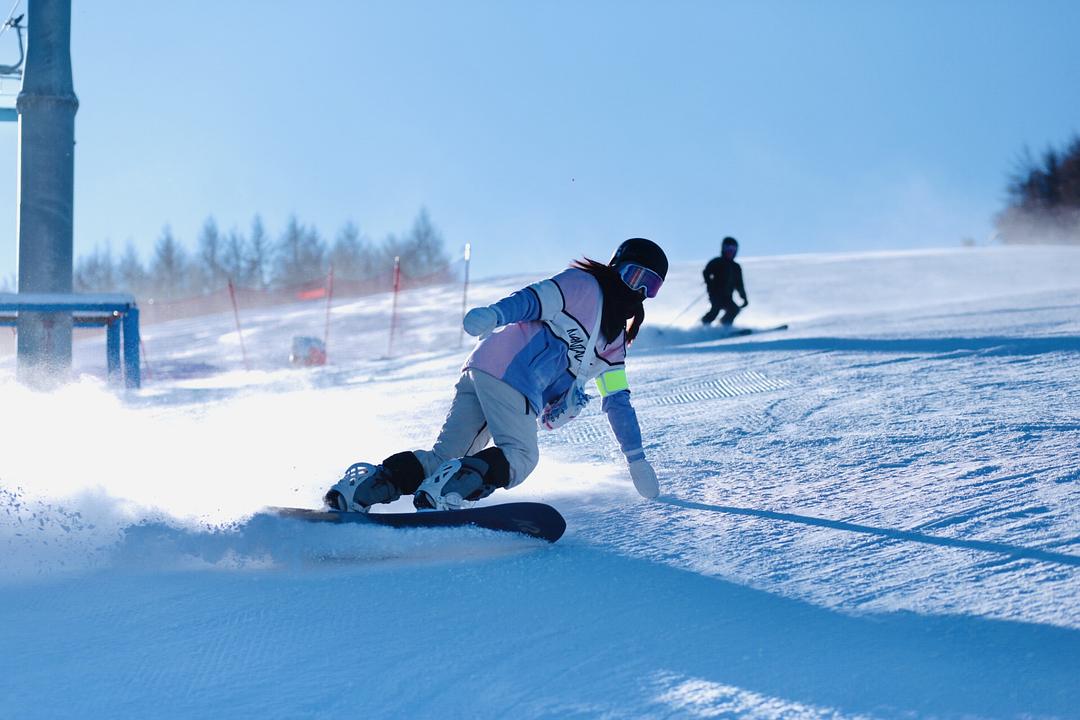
(540, 350)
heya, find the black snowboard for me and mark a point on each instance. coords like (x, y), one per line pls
(529, 518)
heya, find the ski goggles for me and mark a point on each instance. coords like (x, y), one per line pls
(729, 250)
(640, 278)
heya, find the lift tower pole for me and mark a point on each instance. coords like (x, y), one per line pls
(46, 107)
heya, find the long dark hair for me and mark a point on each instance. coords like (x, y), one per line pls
(620, 302)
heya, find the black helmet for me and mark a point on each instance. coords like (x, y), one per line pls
(642, 252)
(730, 241)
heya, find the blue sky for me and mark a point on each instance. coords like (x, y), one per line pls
(542, 131)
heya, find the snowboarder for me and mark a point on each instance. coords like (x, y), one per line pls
(538, 348)
(722, 277)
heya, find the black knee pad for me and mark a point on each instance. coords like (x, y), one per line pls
(471, 478)
(498, 472)
(480, 475)
(406, 472)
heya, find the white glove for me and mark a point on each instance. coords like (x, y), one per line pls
(480, 321)
(644, 478)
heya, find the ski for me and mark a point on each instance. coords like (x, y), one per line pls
(740, 332)
(528, 518)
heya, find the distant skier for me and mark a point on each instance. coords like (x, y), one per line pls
(723, 276)
(554, 336)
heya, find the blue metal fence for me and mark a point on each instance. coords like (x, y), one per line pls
(117, 312)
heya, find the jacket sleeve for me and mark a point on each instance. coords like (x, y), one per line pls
(624, 423)
(539, 301)
(739, 282)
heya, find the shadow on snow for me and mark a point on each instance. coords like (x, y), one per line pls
(985, 346)
(1013, 551)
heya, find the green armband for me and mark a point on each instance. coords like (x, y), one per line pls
(612, 382)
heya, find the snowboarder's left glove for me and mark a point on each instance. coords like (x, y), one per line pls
(480, 321)
(644, 478)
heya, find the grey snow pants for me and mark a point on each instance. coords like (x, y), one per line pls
(486, 409)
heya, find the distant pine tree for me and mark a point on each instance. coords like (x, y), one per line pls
(421, 251)
(301, 256)
(234, 263)
(353, 257)
(169, 269)
(95, 272)
(210, 272)
(257, 256)
(131, 275)
(1069, 173)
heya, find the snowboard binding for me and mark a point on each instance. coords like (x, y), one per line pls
(462, 480)
(362, 486)
(448, 486)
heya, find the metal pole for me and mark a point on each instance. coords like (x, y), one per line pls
(465, 294)
(239, 332)
(141, 348)
(112, 349)
(46, 106)
(132, 344)
(329, 302)
(393, 309)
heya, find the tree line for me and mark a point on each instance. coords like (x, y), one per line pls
(1044, 198)
(256, 260)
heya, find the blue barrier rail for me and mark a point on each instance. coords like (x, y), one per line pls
(116, 311)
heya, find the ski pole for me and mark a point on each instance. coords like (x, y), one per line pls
(692, 304)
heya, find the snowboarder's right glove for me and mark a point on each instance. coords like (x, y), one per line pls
(480, 321)
(559, 412)
(644, 478)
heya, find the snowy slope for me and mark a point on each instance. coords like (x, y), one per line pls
(875, 513)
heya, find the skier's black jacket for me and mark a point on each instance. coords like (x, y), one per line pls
(722, 276)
